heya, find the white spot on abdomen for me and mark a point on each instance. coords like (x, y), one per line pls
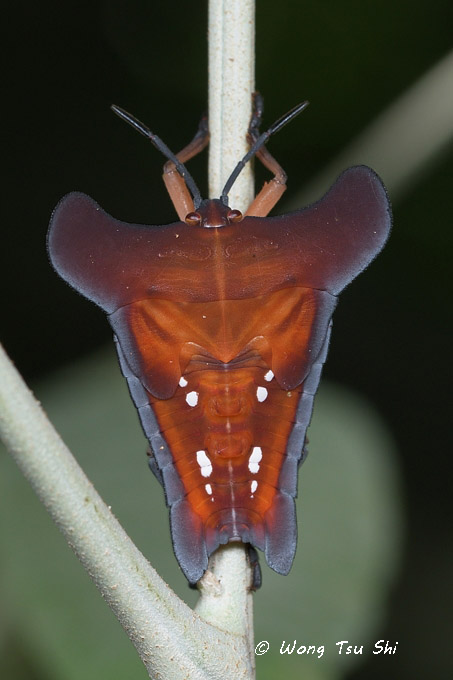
(261, 393)
(208, 488)
(256, 454)
(253, 486)
(204, 463)
(254, 459)
(268, 376)
(192, 398)
(202, 458)
(182, 382)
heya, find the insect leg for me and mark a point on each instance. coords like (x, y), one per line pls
(253, 559)
(273, 190)
(153, 466)
(175, 184)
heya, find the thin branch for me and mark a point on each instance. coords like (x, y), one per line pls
(172, 641)
(225, 595)
(231, 36)
(403, 141)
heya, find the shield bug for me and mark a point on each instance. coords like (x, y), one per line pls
(222, 324)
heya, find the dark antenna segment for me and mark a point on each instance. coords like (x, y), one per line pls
(163, 148)
(262, 139)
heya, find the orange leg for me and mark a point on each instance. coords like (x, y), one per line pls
(175, 184)
(273, 190)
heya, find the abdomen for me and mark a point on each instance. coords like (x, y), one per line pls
(227, 443)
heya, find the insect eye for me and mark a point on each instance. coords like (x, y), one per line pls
(193, 218)
(234, 216)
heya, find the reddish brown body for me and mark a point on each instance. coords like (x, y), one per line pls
(222, 332)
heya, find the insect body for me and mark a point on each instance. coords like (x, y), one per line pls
(222, 325)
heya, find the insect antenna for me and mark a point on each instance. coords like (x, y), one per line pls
(262, 139)
(163, 148)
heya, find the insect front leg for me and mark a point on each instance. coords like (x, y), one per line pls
(272, 191)
(175, 184)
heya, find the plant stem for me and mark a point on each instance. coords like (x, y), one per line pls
(172, 641)
(231, 36)
(403, 141)
(225, 594)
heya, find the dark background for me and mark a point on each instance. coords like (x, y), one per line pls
(65, 63)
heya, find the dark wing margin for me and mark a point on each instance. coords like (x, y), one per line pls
(110, 262)
(281, 521)
(327, 244)
(186, 528)
(343, 232)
